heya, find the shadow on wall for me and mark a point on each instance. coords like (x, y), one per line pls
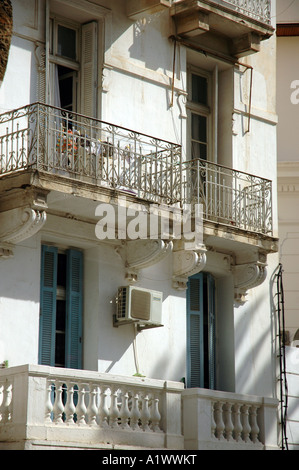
(261, 341)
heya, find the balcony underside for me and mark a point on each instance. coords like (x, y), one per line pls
(209, 22)
(73, 201)
(67, 165)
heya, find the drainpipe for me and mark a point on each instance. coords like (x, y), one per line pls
(216, 87)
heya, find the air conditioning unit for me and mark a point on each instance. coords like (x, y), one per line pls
(142, 306)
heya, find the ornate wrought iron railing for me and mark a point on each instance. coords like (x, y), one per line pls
(228, 196)
(259, 10)
(75, 146)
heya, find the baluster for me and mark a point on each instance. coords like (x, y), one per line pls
(81, 408)
(229, 425)
(220, 427)
(5, 410)
(135, 413)
(237, 422)
(155, 415)
(124, 411)
(58, 407)
(49, 404)
(213, 422)
(1, 400)
(114, 411)
(69, 408)
(145, 414)
(104, 412)
(253, 423)
(245, 423)
(92, 409)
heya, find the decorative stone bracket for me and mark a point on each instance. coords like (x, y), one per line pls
(17, 225)
(247, 276)
(140, 254)
(186, 263)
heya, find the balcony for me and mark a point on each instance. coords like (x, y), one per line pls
(51, 149)
(234, 27)
(229, 197)
(51, 408)
(69, 145)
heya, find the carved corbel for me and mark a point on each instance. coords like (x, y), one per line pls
(20, 224)
(247, 276)
(186, 263)
(139, 254)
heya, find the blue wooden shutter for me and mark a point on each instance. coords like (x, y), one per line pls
(74, 301)
(195, 332)
(212, 329)
(48, 305)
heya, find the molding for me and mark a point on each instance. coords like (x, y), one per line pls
(86, 5)
(139, 254)
(186, 263)
(20, 224)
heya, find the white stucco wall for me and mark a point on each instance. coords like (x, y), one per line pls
(135, 80)
(19, 304)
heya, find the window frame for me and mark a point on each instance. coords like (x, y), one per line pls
(50, 293)
(201, 343)
(200, 109)
(86, 99)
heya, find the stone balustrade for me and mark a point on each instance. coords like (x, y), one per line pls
(59, 407)
(222, 420)
(45, 407)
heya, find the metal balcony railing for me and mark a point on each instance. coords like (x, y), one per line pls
(71, 145)
(228, 196)
(259, 10)
(76, 146)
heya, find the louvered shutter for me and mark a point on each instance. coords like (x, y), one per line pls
(48, 306)
(195, 346)
(74, 301)
(89, 69)
(212, 329)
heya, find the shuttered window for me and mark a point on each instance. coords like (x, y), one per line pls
(73, 66)
(60, 341)
(89, 69)
(201, 331)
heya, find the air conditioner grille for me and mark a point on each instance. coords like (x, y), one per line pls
(140, 305)
(121, 305)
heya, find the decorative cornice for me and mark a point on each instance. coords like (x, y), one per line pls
(185, 264)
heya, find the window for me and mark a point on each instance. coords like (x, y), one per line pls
(60, 340)
(201, 331)
(73, 66)
(199, 115)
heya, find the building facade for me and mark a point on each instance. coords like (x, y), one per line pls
(138, 225)
(288, 161)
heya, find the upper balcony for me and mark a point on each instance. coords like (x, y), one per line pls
(56, 151)
(239, 24)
